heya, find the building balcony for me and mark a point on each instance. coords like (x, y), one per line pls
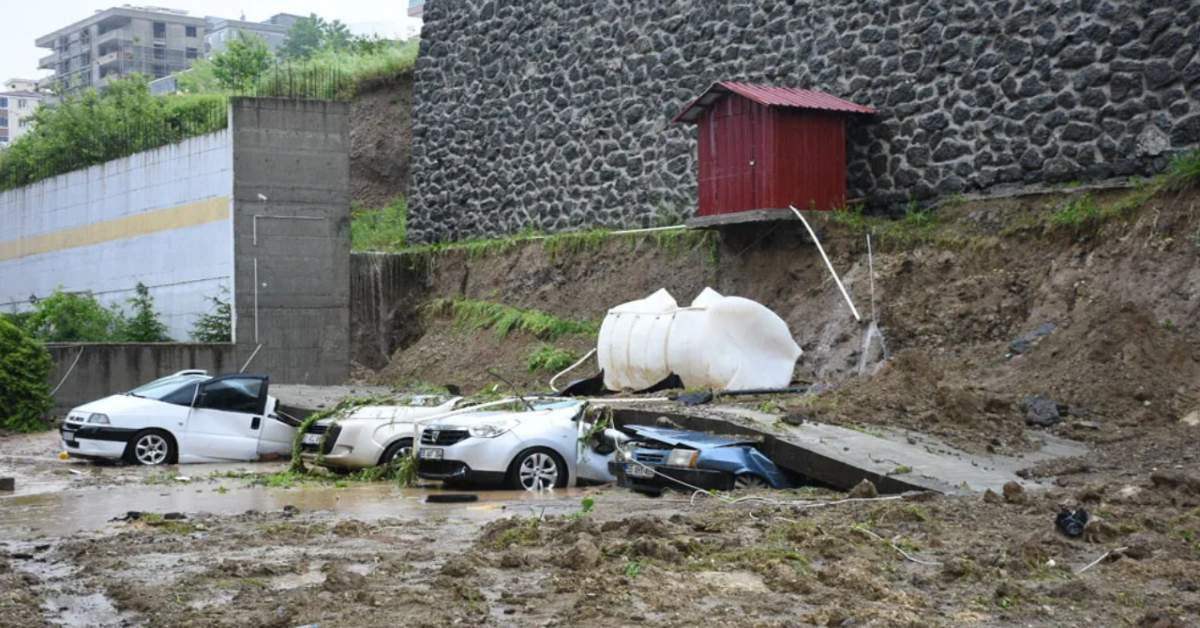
(115, 33)
(113, 57)
(48, 62)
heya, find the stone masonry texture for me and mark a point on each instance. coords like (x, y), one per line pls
(555, 114)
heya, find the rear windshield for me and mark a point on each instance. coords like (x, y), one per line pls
(160, 388)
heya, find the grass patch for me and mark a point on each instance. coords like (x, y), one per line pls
(527, 532)
(505, 319)
(550, 359)
(1184, 171)
(379, 229)
(561, 245)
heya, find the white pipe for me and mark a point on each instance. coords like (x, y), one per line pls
(249, 359)
(569, 369)
(68, 374)
(828, 264)
(871, 276)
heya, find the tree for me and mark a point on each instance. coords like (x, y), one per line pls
(71, 317)
(143, 325)
(214, 326)
(305, 38)
(336, 36)
(24, 371)
(238, 66)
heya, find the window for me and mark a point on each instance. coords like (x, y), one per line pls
(232, 395)
(160, 51)
(21, 102)
(160, 30)
(3, 121)
(182, 396)
(160, 71)
(3, 103)
(189, 31)
(192, 53)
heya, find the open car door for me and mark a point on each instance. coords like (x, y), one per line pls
(226, 418)
(278, 431)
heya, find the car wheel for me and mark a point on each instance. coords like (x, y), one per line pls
(151, 447)
(748, 481)
(537, 469)
(396, 451)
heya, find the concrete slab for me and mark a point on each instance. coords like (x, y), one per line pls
(307, 399)
(842, 457)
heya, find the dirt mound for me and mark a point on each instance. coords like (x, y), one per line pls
(380, 141)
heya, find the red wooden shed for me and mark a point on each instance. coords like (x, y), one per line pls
(765, 147)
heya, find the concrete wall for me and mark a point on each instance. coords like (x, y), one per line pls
(106, 369)
(555, 114)
(292, 171)
(161, 217)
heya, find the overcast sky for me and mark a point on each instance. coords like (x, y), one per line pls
(18, 55)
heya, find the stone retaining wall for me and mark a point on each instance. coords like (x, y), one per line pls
(556, 114)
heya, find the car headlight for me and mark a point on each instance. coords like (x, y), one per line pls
(96, 417)
(491, 430)
(682, 458)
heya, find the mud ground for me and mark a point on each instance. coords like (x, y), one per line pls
(375, 554)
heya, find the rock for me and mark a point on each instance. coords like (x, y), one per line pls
(1098, 530)
(1191, 419)
(583, 555)
(1014, 493)
(512, 559)
(864, 489)
(992, 497)
(1040, 411)
(1174, 479)
(795, 418)
(458, 567)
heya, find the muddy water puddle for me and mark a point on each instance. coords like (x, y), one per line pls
(69, 511)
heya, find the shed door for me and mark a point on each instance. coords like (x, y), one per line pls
(733, 154)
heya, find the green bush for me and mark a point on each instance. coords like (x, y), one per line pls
(24, 369)
(216, 326)
(1184, 171)
(550, 359)
(144, 325)
(72, 317)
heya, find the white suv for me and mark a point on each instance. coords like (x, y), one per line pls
(369, 436)
(530, 449)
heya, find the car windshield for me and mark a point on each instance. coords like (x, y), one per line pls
(160, 388)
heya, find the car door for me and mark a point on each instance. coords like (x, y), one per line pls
(278, 432)
(226, 418)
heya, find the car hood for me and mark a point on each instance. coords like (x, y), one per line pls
(686, 438)
(115, 404)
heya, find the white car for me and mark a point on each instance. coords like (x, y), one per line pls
(184, 417)
(526, 449)
(370, 435)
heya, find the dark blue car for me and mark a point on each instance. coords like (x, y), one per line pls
(658, 458)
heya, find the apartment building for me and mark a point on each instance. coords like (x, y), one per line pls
(153, 41)
(273, 31)
(18, 101)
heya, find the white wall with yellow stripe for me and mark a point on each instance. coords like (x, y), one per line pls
(162, 217)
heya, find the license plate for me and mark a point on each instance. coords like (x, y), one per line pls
(312, 439)
(638, 471)
(430, 454)
(69, 438)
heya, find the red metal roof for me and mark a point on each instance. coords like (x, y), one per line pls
(771, 97)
